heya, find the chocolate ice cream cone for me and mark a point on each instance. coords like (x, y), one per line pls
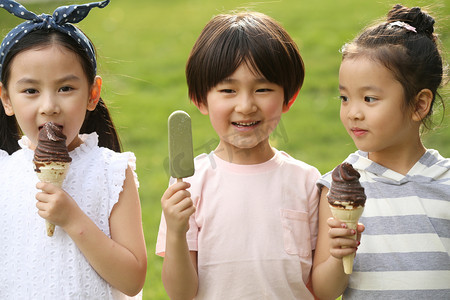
(349, 217)
(346, 199)
(55, 173)
(51, 159)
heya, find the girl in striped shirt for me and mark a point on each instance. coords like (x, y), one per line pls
(388, 82)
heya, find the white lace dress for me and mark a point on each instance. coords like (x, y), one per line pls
(35, 266)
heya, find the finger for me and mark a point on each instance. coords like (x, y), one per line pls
(360, 227)
(179, 207)
(42, 214)
(188, 211)
(340, 232)
(40, 205)
(343, 242)
(341, 252)
(47, 187)
(177, 186)
(42, 197)
(42, 208)
(186, 204)
(335, 223)
(176, 198)
(174, 188)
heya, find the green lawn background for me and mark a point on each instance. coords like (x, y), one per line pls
(143, 46)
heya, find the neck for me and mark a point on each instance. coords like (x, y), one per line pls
(75, 143)
(243, 156)
(400, 160)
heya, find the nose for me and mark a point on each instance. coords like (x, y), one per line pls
(353, 110)
(49, 105)
(246, 104)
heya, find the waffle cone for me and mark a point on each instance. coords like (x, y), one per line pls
(55, 173)
(349, 217)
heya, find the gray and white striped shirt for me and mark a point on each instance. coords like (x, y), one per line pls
(405, 248)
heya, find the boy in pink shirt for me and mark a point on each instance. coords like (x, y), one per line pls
(247, 227)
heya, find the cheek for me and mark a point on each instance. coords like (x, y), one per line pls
(218, 112)
(217, 121)
(213, 115)
(383, 118)
(273, 109)
(342, 115)
(25, 118)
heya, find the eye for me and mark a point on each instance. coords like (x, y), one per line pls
(30, 91)
(369, 99)
(343, 98)
(227, 91)
(264, 90)
(65, 89)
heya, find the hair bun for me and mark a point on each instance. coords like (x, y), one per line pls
(415, 17)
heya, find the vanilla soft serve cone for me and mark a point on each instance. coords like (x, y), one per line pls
(51, 159)
(346, 199)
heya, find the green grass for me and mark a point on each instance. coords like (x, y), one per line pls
(143, 46)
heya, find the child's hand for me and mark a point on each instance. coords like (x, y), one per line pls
(340, 242)
(177, 207)
(54, 204)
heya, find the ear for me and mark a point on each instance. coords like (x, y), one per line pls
(203, 108)
(422, 105)
(94, 95)
(287, 106)
(6, 102)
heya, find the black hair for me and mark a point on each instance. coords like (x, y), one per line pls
(228, 40)
(410, 51)
(98, 120)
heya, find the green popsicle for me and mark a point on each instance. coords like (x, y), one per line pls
(181, 153)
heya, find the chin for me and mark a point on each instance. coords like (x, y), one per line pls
(365, 148)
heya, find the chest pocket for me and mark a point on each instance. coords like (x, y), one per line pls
(296, 233)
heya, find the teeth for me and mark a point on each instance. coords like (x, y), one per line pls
(245, 123)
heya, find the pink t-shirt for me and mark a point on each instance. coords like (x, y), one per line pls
(254, 228)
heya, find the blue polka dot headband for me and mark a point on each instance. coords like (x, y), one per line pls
(59, 21)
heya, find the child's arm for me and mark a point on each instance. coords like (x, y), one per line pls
(328, 278)
(179, 271)
(121, 260)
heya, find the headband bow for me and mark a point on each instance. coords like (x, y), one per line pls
(59, 21)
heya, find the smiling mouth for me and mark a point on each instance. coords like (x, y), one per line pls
(245, 124)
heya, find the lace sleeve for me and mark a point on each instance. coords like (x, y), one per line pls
(117, 164)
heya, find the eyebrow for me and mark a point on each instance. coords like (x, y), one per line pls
(27, 80)
(259, 80)
(364, 88)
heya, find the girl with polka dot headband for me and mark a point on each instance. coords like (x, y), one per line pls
(48, 73)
